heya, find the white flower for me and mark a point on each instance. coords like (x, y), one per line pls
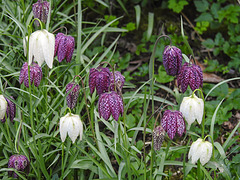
(200, 150)
(192, 108)
(3, 106)
(41, 47)
(72, 125)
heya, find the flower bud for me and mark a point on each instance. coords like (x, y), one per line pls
(119, 81)
(200, 149)
(191, 75)
(41, 47)
(110, 103)
(35, 74)
(73, 95)
(99, 78)
(3, 106)
(172, 122)
(40, 10)
(11, 110)
(172, 60)
(64, 47)
(71, 124)
(192, 108)
(158, 137)
(18, 162)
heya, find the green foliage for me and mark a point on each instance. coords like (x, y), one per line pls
(162, 76)
(177, 5)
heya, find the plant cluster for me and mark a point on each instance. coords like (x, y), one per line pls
(46, 103)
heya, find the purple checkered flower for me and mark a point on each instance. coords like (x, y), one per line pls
(99, 78)
(110, 103)
(73, 95)
(40, 10)
(158, 137)
(172, 122)
(64, 47)
(119, 81)
(191, 75)
(11, 110)
(18, 162)
(35, 74)
(172, 60)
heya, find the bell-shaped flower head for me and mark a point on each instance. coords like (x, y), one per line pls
(172, 60)
(200, 149)
(11, 109)
(40, 10)
(41, 47)
(191, 75)
(35, 74)
(73, 95)
(119, 81)
(158, 137)
(192, 108)
(64, 47)
(3, 106)
(172, 122)
(110, 103)
(71, 124)
(99, 78)
(18, 162)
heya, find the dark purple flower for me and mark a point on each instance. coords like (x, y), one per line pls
(158, 137)
(35, 74)
(172, 60)
(110, 103)
(172, 122)
(99, 78)
(73, 95)
(64, 47)
(18, 162)
(119, 81)
(40, 10)
(191, 75)
(11, 110)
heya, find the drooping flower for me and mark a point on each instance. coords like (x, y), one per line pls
(172, 60)
(18, 162)
(119, 81)
(172, 122)
(192, 108)
(99, 78)
(191, 75)
(110, 103)
(71, 124)
(200, 149)
(64, 47)
(3, 106)
(41, 47)
(11, 109)
(40, 10)
(35, 74)
(158, 137)
(73, 95)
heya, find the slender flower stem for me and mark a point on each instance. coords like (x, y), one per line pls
(62, 159)
(61, 28)
(203, 118)
(85, 99)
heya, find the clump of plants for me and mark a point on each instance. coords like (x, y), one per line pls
(82, 119)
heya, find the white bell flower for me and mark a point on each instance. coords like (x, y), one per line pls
(3, 106)
(192, 108)
(41, 47)
(71, 124)
(200, 149)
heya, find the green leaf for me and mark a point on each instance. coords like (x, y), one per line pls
(177, 5)
(162, 76)
(204, 17)
(201, 5)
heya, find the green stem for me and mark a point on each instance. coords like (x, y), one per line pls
(79, 39)
(62, 160)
